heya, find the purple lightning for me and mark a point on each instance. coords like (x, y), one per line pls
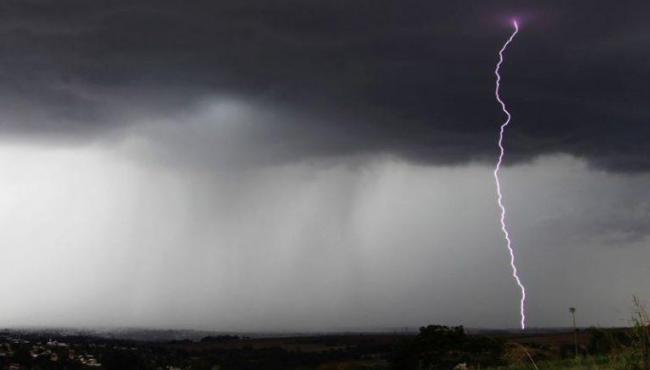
(515, 275)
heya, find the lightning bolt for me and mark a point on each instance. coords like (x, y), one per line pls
(504, 228)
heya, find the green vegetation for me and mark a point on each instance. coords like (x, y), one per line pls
(604, 350)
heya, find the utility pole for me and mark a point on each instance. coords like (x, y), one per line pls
(575, 330)
(646, 363)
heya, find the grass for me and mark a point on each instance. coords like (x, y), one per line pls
(619, 362)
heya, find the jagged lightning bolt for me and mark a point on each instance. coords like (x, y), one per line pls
(504, 228)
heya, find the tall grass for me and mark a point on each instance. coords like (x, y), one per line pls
(627, 361)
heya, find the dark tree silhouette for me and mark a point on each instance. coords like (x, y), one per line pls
(442, 347)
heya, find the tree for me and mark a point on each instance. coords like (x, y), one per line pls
(442, 347)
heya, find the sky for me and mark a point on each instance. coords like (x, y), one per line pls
(321, 165)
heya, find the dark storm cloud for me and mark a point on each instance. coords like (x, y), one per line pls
(409, 78)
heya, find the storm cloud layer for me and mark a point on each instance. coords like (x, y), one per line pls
(330, 78)
(320, 165)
